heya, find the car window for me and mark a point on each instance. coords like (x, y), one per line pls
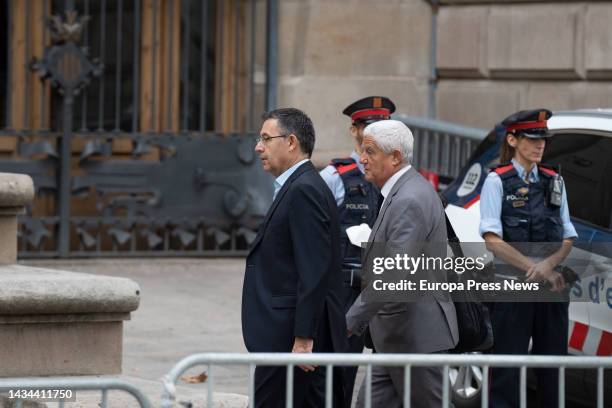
(586, 167)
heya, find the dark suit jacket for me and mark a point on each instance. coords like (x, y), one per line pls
(292, 282)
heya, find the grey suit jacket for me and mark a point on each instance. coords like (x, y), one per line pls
(411, 215)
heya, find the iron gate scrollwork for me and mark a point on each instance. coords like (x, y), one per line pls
(205, 194)
(69, 69)
(185, 193)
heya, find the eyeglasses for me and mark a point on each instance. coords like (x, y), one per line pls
(266, 139)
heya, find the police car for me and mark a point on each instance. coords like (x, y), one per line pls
(582, 147)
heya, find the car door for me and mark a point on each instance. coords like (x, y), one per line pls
(585, 161)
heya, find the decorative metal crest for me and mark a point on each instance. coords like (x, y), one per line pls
(65, 63)
(68, 29)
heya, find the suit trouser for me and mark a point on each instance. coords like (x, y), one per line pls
(308, 388)
(514, 324)
(388, 387)
(355, 344)
(350, 373)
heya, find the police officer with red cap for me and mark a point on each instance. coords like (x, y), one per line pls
(523, 201)
(358, 202)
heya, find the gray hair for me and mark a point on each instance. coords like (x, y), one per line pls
(392, 135)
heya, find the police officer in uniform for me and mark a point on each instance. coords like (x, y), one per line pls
(358, 203)
(523, 200)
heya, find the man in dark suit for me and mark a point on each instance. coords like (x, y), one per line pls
(291, 293)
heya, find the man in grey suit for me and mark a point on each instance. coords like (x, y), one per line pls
(410, 219)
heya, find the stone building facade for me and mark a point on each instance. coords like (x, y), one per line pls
(468, 62)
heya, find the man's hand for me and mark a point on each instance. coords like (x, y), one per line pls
(349, 333)
(542, 271)
(303, 345)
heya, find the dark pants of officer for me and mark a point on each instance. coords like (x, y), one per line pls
(514, 323)
(355, 342)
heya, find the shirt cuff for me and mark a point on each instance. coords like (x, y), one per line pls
(491, 225)
(569, 231)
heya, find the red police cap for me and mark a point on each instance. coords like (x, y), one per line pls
(530, 123)
(370, 109)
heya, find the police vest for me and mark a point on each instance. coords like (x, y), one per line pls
(360, 205)
(526, 215)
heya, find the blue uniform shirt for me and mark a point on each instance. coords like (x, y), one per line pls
(491, 203)
(334, 181)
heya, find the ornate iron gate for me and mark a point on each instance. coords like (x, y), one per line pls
(182, 187)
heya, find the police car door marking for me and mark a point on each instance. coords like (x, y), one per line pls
(578, 336)
(470, 181)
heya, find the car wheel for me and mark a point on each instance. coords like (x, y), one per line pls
(466, 386)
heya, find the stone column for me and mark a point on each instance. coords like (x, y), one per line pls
(16, 191)
(55, 322)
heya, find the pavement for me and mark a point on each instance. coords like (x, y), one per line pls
(187, 306)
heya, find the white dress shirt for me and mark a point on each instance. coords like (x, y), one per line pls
(386, 188)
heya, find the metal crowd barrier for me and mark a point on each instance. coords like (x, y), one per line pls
(402, 360)
(441, 147)
(84, 384)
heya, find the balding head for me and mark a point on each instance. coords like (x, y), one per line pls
(392, 135)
